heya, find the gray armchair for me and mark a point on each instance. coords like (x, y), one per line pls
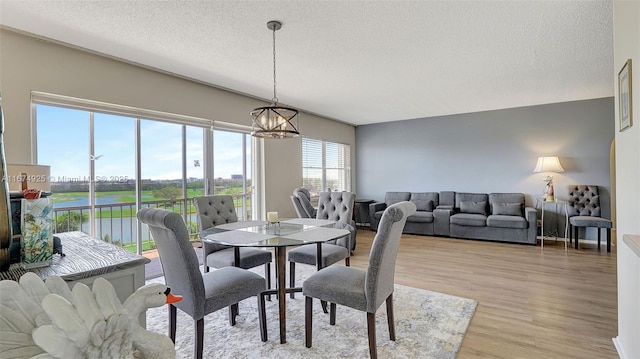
(376, 209)
(584, 211)
(358, 289)
(301, 199)
(219, 209)
(202, 293)
(337, 206)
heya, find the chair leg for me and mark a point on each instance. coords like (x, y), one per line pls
(233, 311)
(308, 320)
(570, 233)
(262, 316)
(323, 303)
(347, 261)
(206, 268)
(371, 329)
(199, 338)
(575, 234)
(292, 278)
(332, 314)
(390, 319)
(608, 239)
(599, 233)
(267, 277)
(172, 322)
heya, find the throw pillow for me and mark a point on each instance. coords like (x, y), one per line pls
(474, 207)
(507, 209)
(423, 205)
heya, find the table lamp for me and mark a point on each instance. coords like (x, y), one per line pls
(546, 165)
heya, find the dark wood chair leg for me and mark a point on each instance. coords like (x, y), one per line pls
(292, 278)
(199, 338)
(172, 322)
(390, 319)
(371, 329)
(233, 311)
(332, 314)
(308, 320)
(206, 268)
(599, 233)
(267, 277)
(570, 234)
(608, 239)
(262, 316)
(323, 303)
(575, 234)
(347, 262)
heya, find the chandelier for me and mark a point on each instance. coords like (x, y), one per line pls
(275, 121)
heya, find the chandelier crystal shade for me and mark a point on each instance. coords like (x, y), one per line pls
(275, 121)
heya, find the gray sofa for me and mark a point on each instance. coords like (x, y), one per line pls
(495, 216)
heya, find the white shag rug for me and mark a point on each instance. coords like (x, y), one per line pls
(428, 325)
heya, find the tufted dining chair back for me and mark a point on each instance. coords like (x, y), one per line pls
(213, 211)
(339, 207)
(584, 210)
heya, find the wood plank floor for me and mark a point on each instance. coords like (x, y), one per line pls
(531, 304)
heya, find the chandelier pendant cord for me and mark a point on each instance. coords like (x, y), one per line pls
(275, 97)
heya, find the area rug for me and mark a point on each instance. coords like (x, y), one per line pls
(428, 325)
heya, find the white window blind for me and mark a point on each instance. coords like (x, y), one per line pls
(325, 166)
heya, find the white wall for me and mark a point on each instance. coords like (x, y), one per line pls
(626, 18)
(28, 64)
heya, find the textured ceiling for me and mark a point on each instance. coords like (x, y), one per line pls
(356, 61)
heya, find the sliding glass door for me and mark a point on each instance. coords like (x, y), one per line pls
(104, 167)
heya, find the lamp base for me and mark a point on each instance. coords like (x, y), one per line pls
(550, 198)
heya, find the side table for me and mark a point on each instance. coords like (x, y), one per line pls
(554, 231)
(362, 211)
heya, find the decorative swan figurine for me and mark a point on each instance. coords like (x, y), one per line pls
(41, 320)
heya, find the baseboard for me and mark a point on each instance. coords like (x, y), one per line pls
(620, 349)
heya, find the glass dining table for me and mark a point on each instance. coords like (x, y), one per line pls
(280, 235)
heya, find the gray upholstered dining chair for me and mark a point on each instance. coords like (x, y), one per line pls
(202, 293)
(301, 199)
(337, 206)
(358, 289)
(584, 211)
(219, 209)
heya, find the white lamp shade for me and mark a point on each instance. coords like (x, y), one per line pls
(548, 164)
(36, 176)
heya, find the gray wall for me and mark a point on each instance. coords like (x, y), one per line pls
(493, 151)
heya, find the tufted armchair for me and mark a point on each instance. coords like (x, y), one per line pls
(584, 211)
(216, 210)
(336, 206)
(301, 199)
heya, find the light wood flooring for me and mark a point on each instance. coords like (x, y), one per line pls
(531, 304)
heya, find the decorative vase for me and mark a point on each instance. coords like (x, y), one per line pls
(37, 232)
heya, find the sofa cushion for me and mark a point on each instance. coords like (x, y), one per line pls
(507, 221)
(467, 219)
(507, 209)
(425, 201)
(473, 207)
(421, 217)
(395, 197)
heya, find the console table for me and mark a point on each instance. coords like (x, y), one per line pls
(87, 258)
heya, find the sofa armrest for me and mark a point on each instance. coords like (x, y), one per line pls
(373, 208)
(441, 220)
(531, 215)
(445, 207)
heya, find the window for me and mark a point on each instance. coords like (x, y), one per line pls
(107, 162)
(326, 166)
